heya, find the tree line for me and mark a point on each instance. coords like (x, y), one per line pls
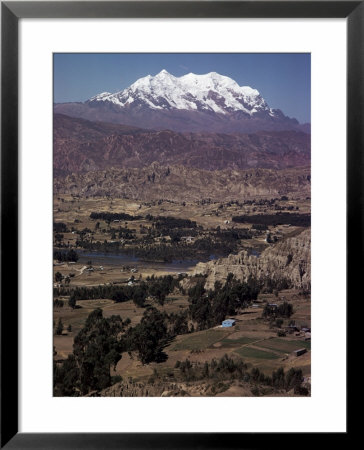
(109, 217)
(294, 219)
(228, 368)
(156, 287)
(63, 256)
(170, 222)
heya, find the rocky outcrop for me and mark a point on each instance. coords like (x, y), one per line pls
(185, 184)
(289, 259)
(144, 389)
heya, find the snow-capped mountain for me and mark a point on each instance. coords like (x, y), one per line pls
(210, 102)
(210, 92)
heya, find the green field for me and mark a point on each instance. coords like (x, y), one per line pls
(283, 346)
(254, 353)
(199, 341)
(226, 342)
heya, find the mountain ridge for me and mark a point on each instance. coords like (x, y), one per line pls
(208, 102)
(81, 145)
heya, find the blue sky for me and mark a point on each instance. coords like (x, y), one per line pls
(283, 79)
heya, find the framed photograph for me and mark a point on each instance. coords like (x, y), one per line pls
(181, 193)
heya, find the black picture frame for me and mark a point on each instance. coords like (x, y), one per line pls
(11, 12)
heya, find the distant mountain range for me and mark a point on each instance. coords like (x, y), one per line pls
(208, 103)
(81, 145)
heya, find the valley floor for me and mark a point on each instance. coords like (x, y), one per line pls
(257, 341)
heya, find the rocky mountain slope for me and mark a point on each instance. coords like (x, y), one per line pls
(209, 102)
(187, 184)
(81, 145)
(176, 389)
(289, 259)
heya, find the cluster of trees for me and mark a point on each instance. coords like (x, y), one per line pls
(212, 307)
(217, 244)
(59, 328)
(227, 368)
(168, 222)
(178, 323)
(109, 217)
(273, 285)
(97, 348)
(289, 380)
(87, 293)
(173, 227)
(57, 303)
(122, 233)
(160, 252)
(286, 208)
(261, 202)
(157, 287)
(233, 234)
(294, 219)
(148, 337)
(60, 227)
(285, 309)
(58, 277)
(62, 256)
(83, 232)
(97, 246)
(58, 238)
(259, 227)
(137, 293)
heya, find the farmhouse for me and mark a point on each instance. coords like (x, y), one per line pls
(228, 323)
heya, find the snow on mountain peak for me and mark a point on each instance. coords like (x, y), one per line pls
(205, 92)
(101, 96)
